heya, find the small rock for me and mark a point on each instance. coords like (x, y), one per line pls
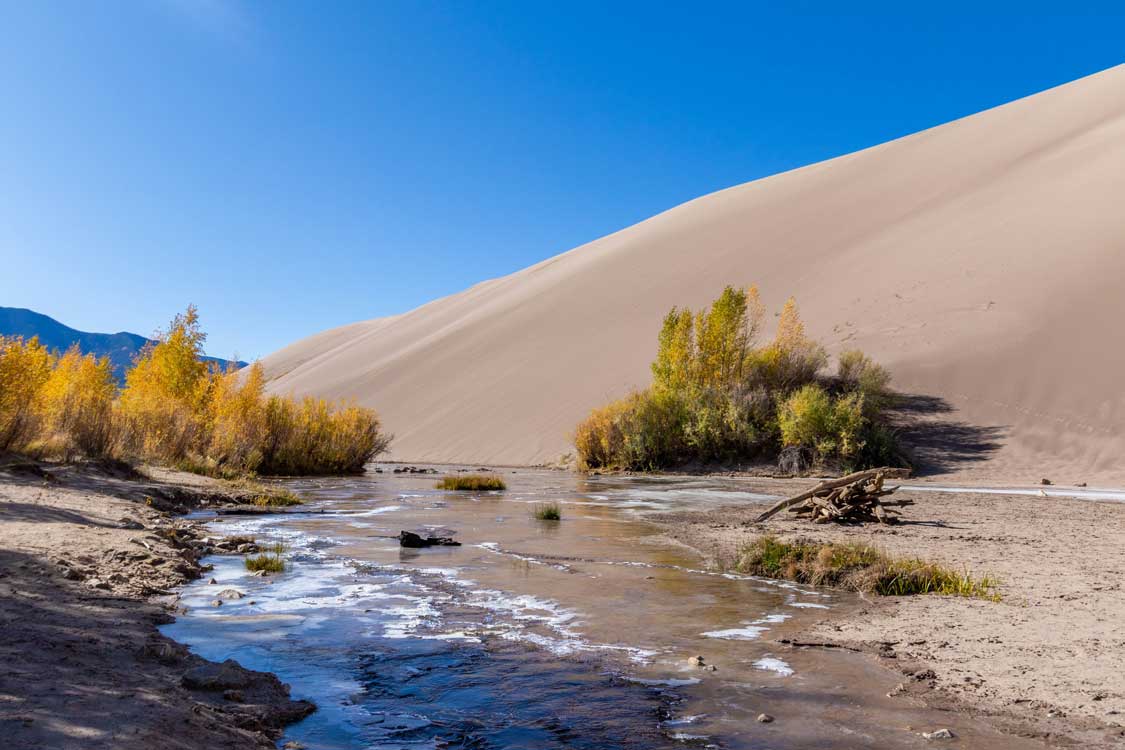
(696, 661)
(764, 718)
(230, 594)
(1080, 484)
(212, 582)
(216, 602)
(97, 583)
(293, 745)
(897, 690)
(1044, 480)
(940, 734)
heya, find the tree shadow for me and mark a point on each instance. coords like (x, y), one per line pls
(33, 513)
(937, 443)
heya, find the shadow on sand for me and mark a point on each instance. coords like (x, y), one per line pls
(938, 443)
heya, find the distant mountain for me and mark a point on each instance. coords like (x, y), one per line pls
(121, 347)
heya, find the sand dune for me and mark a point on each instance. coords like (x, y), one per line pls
(983, 260)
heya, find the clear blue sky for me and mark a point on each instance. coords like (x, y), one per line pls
(292, 166)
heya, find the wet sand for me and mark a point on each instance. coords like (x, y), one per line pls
(88, 571)
(1046, 661)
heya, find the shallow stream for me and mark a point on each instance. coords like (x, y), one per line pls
(539, 634)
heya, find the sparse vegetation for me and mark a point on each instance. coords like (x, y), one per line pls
(477, 482)
(716, 398)
(175, 409)
(271, 559)
(266, 495)
(548, 512)
(858, 567)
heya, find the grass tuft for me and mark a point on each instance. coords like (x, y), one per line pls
(270, 559)
(858, 567)
(548, 512)
(265, 495)
(477, 482)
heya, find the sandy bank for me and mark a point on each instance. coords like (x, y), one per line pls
(1046, 661)
(89, 560)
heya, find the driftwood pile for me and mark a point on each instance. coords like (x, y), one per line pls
(855, 498)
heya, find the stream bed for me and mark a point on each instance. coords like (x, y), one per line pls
(579, 633)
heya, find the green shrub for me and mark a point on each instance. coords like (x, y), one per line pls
(717, 399)
(548, 512)
(270, 559)
(476, 482)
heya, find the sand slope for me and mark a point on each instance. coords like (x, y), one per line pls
(983, 260)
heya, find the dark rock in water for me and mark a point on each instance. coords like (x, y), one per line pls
(410, 539)
(1044, 480)
(795, 460)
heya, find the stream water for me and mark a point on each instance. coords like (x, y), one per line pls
(539, 634)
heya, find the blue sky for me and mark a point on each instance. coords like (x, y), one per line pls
(292, 166)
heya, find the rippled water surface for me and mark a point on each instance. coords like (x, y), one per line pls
(536, 634)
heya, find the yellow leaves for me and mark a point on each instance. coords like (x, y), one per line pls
(24, 368)
(175, 409)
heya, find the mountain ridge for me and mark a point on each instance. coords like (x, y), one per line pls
(120, 347)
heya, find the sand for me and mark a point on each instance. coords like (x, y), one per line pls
(982, 260)
(1048, 656)
(82, 664)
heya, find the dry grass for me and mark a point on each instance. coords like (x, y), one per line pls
(547, 512)
(858, 567)
(271, 559)
(264, 495)
(477, 482)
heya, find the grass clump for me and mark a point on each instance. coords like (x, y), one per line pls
(716, 397)
(175, 409)
(478, 482)
(547, 512)
(270, 559)
(858, 567)
(266, 495)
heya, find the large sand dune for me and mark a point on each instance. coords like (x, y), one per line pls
(983, 260)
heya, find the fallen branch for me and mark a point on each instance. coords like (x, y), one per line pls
(833, 491)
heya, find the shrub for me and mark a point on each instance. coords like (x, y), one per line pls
(175, 409)
(548, 512)
(476, 482)
(271, 559)
(716, 398)
(25, 367)
(859, 373)
(858, 567)
(76, 406)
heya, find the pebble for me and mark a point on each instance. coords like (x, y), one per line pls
(939, 734)
(764, 718)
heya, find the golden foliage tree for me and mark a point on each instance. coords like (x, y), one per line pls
(76, 406)
(24, 368)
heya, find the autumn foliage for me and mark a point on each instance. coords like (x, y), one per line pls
(175, 409)
(719, 397)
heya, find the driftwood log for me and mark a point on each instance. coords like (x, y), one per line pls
(853, 498)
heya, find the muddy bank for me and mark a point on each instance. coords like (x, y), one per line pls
(1045, 661)
(90, 558)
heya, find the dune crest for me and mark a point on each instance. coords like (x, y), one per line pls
(981, 260)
